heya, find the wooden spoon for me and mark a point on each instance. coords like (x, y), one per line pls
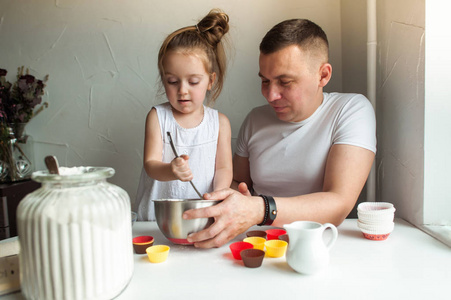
(52, 164)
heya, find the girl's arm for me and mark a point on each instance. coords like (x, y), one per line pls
(223, 172)
(153, 152)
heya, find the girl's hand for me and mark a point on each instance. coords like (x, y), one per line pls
(242, 188)
(180, 168)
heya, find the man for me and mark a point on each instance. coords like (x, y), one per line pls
(307, 153)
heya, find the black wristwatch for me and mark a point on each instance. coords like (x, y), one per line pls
(270, 210)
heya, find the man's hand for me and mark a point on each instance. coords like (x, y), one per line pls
(233, 216)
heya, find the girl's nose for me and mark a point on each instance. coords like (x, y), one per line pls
(183, 89)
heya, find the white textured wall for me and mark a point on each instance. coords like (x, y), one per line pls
(354, 40)
(437, 209)
(400, 106)
(400, 95)
(353, 48)
(101, 58)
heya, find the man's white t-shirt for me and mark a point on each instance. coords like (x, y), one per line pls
(289, 158)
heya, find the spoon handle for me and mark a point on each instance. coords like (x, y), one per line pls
(172, 144)
(176, 155)
(199, 194)
(52, 164)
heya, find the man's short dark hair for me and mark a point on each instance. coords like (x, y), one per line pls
(301, 32)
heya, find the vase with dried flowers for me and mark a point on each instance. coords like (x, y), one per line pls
(19, 103)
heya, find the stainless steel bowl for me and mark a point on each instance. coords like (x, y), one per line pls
(168, 213)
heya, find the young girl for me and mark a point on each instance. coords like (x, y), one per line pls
(192, 67)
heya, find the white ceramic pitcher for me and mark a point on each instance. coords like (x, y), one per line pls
(307, 253)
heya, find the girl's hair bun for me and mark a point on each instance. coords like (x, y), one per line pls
(214, 26)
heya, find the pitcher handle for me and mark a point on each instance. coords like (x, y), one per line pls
(334, 234)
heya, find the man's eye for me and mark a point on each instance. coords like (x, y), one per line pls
(285, 82)
(265, 82)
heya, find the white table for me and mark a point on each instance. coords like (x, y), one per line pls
(408, 265)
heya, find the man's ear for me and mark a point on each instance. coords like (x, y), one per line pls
(212, 80)
(325, 72)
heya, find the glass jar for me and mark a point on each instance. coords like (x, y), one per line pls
(75, 236)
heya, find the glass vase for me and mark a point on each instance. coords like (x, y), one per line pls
(16, 153)
(75, 236)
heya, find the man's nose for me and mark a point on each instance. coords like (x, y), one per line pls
(274, 93)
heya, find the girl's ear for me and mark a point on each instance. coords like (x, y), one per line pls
(325, 72)
(212, 80)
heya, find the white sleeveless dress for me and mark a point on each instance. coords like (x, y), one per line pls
(200, 143)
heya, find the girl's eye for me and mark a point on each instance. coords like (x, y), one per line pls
(194, 83)
(172, 82)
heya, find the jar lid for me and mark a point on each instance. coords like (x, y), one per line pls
(75, 174)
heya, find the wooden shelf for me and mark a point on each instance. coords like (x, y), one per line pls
(10, 196)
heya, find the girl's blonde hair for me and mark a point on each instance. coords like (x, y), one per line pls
(206, 37)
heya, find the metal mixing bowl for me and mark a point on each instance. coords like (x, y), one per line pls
(168, 213)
